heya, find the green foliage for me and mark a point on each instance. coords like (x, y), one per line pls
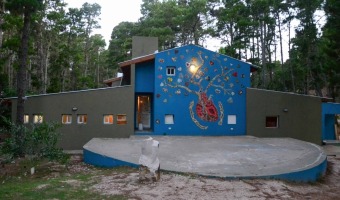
(121, 42)
(174, 22)
(35, 140)
(65, 186)
(330, 47)
(64, 55)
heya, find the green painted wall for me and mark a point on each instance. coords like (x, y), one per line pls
(94, 103)
(303, 119)
(142, 46)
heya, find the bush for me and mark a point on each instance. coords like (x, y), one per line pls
(36, 141)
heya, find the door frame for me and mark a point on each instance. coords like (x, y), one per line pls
(136, 125)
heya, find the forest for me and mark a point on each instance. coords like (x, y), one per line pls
(46, 47)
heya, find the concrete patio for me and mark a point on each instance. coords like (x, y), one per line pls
(226, 157)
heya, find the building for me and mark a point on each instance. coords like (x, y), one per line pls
(187, 90)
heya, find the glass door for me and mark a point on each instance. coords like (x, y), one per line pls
(143, 112)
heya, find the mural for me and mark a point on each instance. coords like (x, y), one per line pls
(192, 72)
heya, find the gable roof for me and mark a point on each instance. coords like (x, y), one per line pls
(150, 57)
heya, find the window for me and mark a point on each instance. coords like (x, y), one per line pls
(121, 119)
(231, 119)
(82, 119)
(171, 71)
(38, 119)
(272, 121)
(108, 119)
(66, 119)
(26, 119)
(169, 119)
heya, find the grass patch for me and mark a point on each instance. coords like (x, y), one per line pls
(71, 187)
(53, 181)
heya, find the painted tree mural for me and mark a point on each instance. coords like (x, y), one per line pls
(210, 77)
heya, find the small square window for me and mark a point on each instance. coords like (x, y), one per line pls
(231, 119)
(38, 119)
(108, 119)
(272, 121)
(26, 119)
(170, 71)
(121, 119)
(82, 119)
(66, 119)
(169, 119)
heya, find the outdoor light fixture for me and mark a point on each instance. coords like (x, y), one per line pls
(193, 68)
(285, 110)
(74, 109)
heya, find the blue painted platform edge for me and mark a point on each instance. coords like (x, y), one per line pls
(309, 175)
(99, 160)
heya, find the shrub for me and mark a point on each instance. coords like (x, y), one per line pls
(34, 140)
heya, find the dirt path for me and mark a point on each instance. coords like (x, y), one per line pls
(125, 183)
(175, 186)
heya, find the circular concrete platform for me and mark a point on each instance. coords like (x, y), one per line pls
(225, 156)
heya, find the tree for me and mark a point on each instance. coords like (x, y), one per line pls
(27, 8)
(304, 55)
(331, 47)
(231, 25)
(175, 22)
(45, 36)
(120, 46)
(90, 14)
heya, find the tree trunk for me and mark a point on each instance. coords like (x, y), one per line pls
(263, 53)
(1, 34)
(98, 68)
(2, 9)
(21, 80)
(9, 70)
(47, 56)
(281, 52)
(290, 62)
(42, 59)
(63, 77)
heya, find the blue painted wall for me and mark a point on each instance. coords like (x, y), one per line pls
(200, 101)
(144, 77)
(328, 112)
(100, 160)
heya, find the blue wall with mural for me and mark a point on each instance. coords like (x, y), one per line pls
(202, 90)
(145, 73)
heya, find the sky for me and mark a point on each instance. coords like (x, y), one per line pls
(114, 12)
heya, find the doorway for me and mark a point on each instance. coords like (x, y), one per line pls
(143, 112)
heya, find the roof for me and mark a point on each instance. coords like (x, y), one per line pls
(112, 80)
(253, 68)
(150, 57)
(137, 60)
(69, 92)
(323, 99)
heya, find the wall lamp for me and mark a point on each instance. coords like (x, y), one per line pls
(193, 68)
(285, 110)
(74, 109)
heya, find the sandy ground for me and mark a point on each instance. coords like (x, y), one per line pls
(189, 186)
(176, 186)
